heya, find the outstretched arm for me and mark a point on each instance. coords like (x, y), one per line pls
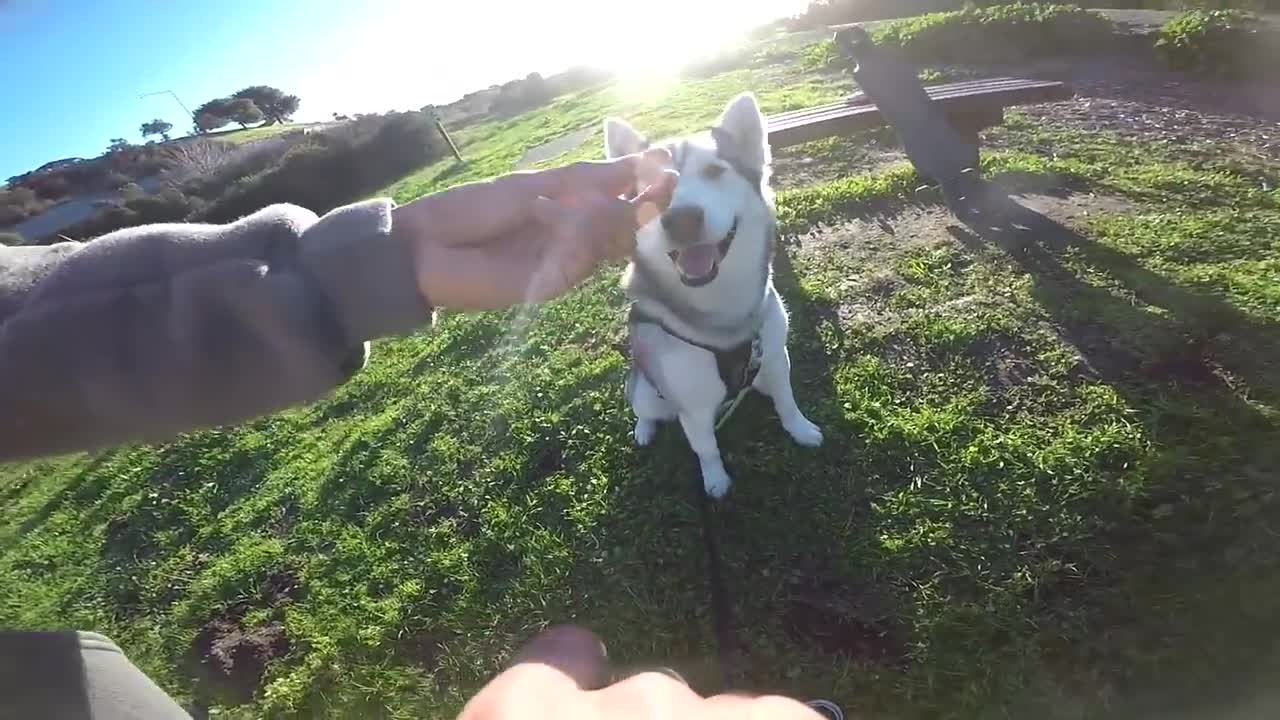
(152, 331)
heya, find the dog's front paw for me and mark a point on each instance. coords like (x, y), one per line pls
(644, 432)
(716, 482)
(803, 431)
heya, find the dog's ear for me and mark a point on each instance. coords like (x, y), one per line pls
(740, 133)
(622, 139)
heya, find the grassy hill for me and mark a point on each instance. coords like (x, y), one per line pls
(1048, 484)
(240, 136)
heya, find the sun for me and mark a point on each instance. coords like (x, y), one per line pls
(648, 53)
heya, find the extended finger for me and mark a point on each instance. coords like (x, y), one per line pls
(655, 198)
(609, 177)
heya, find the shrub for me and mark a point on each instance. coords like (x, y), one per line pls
(329, 168)
(319, 171)
(113, 180)
(19, 203)
(131, 190)
(111, 216)
(168, 205)
(998, 33)
(192, 159)
(1225, 43)
(137, 208)
(821, 13)
(51, 185)
(520, 96)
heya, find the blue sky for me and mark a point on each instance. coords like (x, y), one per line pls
(74, 69)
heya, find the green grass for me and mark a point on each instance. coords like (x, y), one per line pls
(994, 33)
(494, 147)
(1047, 487)
(260, 132)
(1223, 43)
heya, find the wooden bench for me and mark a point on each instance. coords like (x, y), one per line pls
(970, 106)
(938, 126)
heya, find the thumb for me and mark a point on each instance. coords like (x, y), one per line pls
(548, 672)
(655, 198)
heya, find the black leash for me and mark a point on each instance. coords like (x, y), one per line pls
(721, 613)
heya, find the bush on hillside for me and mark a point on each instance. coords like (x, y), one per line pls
(113, 180)
(243, 161)
(333, 167)
(19, 203)
(50, 186)
(168, 205)
(135, 208)
(999, 33)
(1224, 43)
(821, 13)
(523, 95)
(196, 159)
(319, 171)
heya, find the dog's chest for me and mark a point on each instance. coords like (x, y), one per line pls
(736, 366)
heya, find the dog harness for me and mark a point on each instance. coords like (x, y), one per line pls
(737, 365)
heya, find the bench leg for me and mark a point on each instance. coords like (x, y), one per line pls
(970, 124)
(961, 193)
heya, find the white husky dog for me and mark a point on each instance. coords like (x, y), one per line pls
(706, 323)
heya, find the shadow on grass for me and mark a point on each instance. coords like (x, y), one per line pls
(1187, 371)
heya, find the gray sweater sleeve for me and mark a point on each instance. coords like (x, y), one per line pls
(152, 331)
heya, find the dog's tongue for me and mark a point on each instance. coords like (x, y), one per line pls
(697, 261)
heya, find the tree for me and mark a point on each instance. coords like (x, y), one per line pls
(213, 115)
(206, 121)
(156, 127)
(288, 106)
(243, 111)
(215, 108)
(118, 144)
(276, 106)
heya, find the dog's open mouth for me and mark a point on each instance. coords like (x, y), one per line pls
(699, 264)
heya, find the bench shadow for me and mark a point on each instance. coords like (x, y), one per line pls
(1190, 372)
(1195, 320)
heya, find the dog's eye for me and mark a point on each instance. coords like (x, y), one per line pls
(712, 172)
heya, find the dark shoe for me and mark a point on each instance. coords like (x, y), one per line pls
(827, 709)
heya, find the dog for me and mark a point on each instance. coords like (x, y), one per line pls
(706, 323)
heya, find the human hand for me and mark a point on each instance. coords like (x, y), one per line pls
(563, 674)
(529, 237)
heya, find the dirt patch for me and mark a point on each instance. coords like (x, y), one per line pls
(1135, 98)
(422, 649)
(230, 657)
(834, 158)
(842, 620)
(871, 240)
(1181, 364)
(859, 255)
(237, 657)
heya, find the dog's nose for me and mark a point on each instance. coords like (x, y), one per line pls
(683, 224)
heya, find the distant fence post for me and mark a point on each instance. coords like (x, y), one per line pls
(435, 118)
